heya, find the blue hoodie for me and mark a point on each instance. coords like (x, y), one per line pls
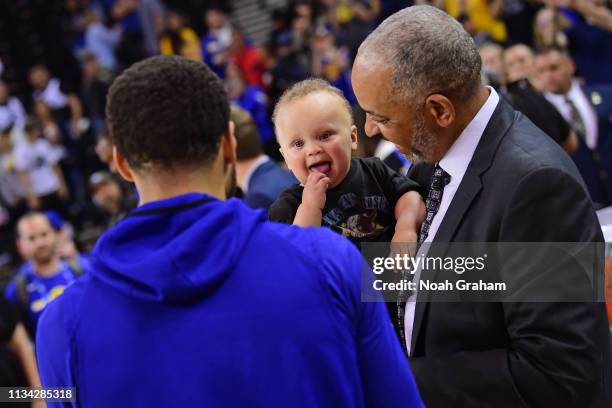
(193, 301)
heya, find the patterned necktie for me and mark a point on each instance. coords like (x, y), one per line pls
(439, 180)
(576, 122)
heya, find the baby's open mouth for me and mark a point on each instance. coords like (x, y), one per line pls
(321, 167)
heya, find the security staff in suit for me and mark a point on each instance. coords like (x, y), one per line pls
(588, 111)
(493, 177)
(259, 177)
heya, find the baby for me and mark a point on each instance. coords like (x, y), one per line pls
(362, 199)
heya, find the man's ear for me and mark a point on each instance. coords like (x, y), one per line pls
(229, 144)
(354, 137)
(440, 109)
(122, 166)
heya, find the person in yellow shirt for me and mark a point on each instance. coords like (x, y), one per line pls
(482, 13)
(178, 39)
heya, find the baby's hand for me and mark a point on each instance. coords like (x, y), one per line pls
(315, 188)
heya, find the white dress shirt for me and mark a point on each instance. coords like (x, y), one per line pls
(584, 107)
(455, 162)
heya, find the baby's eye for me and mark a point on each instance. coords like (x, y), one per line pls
(297, 144)
(325, 135)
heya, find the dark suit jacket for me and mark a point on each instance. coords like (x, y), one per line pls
(519, 187)
(266, 184)
(600, 97)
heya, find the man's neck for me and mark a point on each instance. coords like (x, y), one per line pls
(46, 269)
(163, 184)
(463, 119)
(473, 108)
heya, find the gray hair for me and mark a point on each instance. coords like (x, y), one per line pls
(429, 52)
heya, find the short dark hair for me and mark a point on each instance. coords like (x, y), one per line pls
(248, 144)
(167, 111)
(553, 48)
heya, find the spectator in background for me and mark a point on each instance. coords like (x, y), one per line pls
(101, 41)
(66, 247)
(518, 17)
(43, 277)
(252, 99)
(179, 39)
(596, 12)
(111, 196)
(351, 20)
(483, 14)
(104, 149)
(287, 67)
(519, 63)
(217, 40)
(151, 13)
(12, 114)
(260, 178)
(587, 110)
(17, 360)
(492, 64)
(589, 46)
(480, 37)
(332, 63)
(50, 131)
(125, 13)
(93, 90)
(63, 101)
(519, 66)
(302, 20)
(12, 196)
(249, 60)
(566, 28)
(40, 176)
(548, 29)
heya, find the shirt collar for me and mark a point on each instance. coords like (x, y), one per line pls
(560, 98)
(244, 186)
(574, 91)
(455, 162)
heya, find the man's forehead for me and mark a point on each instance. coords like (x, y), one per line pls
(372, 85)
(33, 224)
(368, 62)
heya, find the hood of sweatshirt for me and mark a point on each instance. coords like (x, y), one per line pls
(175, 250)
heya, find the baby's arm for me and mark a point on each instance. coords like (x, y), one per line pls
(313, 200)
(409, 213)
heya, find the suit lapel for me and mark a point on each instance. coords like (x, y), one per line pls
(468, 189)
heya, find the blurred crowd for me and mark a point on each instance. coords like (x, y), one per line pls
(552, 59)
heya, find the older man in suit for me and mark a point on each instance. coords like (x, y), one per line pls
(493, 177)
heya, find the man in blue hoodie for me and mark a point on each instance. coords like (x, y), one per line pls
(193, 300)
